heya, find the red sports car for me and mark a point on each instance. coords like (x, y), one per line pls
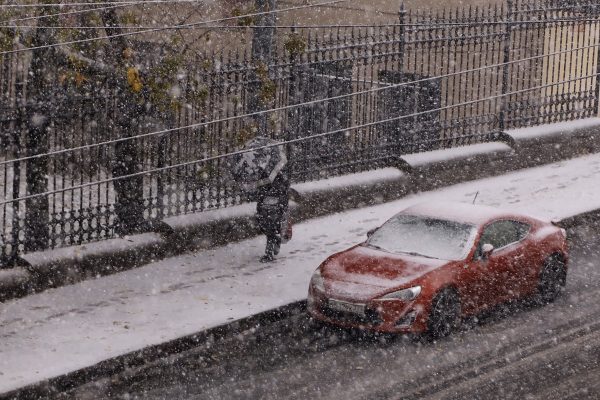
(433, 264)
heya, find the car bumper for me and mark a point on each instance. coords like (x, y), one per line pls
(378, 316)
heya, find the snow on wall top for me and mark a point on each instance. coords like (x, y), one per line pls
(205, 217)
(103, 247)
(9, 276)
(454, 153)
(351, 180)
(558, 128)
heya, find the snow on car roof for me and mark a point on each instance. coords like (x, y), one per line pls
(459, 212)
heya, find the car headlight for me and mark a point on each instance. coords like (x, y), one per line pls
(317, 281)
(404, 294)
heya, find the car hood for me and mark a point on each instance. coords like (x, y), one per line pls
(363, 273)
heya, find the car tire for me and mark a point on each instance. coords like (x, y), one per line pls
(314, 324)
(317, 327)
(553, 278)
(444, 316)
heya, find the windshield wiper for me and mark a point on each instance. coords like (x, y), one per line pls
(414, 253)
(375, 246)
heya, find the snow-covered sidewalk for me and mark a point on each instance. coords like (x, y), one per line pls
(71, 327)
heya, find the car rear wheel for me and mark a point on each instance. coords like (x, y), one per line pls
(553, 278)
(445, 314)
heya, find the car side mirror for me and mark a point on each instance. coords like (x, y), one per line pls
(371, 232)
(486, 251)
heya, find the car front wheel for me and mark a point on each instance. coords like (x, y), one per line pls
(552, 279)
(445, 314)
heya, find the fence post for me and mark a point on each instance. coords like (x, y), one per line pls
(38, 118)
(163, 145)
(596, 12)
(36, 208)
(262, 43)
(402, 38)
(17, 215)
(292, 117)
(129, 202)
(506, 60)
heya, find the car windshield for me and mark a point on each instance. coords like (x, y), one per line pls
(419, 235)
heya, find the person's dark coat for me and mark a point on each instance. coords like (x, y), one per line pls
(271, 206)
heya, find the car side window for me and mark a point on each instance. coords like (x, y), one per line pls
(522, 230)
(503, 233)
(498, 234)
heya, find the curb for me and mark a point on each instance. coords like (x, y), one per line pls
(577, 220)
(139, 357)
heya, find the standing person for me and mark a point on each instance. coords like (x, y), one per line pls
(262, 173)
(271, 208)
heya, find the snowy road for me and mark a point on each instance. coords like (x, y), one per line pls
(517, 352)
(71, 327)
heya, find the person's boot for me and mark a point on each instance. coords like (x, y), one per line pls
(271, 249)
(277, 246)
(267, 258)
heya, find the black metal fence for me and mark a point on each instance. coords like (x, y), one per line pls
(422, 82)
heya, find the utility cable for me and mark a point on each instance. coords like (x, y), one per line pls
(36, 17)
(325, 26)
(99, 3)
(174, 27)
(291, 141)
(437, 20)
(291, 106)
(426, 25)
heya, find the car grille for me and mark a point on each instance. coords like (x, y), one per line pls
(370, 317)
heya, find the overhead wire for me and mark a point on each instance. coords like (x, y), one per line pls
(36, 17)
(576, 7)
(434, 25)
(291, 106)
(436, 21)
(324, 26)
(291, 141)
(205, 22)
(99, 3)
